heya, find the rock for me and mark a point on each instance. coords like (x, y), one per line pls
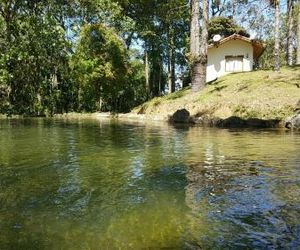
(232, 122)
(181, 116)
(237, 122)
(259, 123)
(293, 122)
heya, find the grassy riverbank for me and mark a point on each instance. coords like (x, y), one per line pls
(263, 95)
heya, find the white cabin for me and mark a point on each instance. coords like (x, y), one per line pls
(235, 53)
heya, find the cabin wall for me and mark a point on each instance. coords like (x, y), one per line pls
(216, 65)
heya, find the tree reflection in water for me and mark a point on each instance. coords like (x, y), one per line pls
(108, 185)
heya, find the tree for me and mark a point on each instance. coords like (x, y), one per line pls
(298, 35)
(195, 44)
(225, 27)
(198, 45)
(290, 24)
(37, 40)
(162, 28)
(103, 72)
(32, 55)
(46, 66)
(276, 5)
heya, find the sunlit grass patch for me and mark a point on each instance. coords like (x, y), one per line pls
(259, 94)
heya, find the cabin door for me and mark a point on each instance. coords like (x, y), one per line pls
(234, 63)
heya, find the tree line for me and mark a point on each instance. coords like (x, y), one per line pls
(60, 56)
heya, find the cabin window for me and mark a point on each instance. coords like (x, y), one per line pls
(234, 63)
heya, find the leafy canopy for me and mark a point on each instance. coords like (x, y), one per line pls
(225, 27)
(103, 71)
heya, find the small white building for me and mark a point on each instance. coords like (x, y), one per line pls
(235, 53)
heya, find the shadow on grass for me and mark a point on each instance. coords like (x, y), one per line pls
(218, 88)
(294, 68)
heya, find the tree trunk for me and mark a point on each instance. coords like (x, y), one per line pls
(204, 44)
(147, 83)
(169, 73)
(172, 70)
(171, 61)
(277, 38)
(298, 35)
(160, 89)
(195, 44)
(198, 50)
(290, 22)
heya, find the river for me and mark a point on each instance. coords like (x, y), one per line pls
(88, 184)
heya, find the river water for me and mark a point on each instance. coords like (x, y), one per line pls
(86, 184)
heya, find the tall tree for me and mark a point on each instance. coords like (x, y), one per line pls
(176, 25)
(37, 42)
(162, 27)
(298, 35)
(198, 45)
(290, 24)
(195, 44)
(171, 60)
(33, 55)
(147, 81)
(276, 5)
(204, 41)
(103, 71)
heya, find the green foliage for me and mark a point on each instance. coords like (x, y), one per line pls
(163, 26)
(107, 80)
(225, 27)
(266, 61)
(34, 52)
(62, 56)
(41, 75)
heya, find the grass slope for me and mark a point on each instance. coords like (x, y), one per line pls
(258, 94)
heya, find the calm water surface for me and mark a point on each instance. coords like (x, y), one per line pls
(106, 185)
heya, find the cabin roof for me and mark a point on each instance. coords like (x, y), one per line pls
(258, 47)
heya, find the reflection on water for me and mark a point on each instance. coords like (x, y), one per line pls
(106, 185)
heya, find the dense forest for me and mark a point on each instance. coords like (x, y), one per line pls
(60, 56)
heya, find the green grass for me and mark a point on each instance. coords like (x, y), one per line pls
(258, 94)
